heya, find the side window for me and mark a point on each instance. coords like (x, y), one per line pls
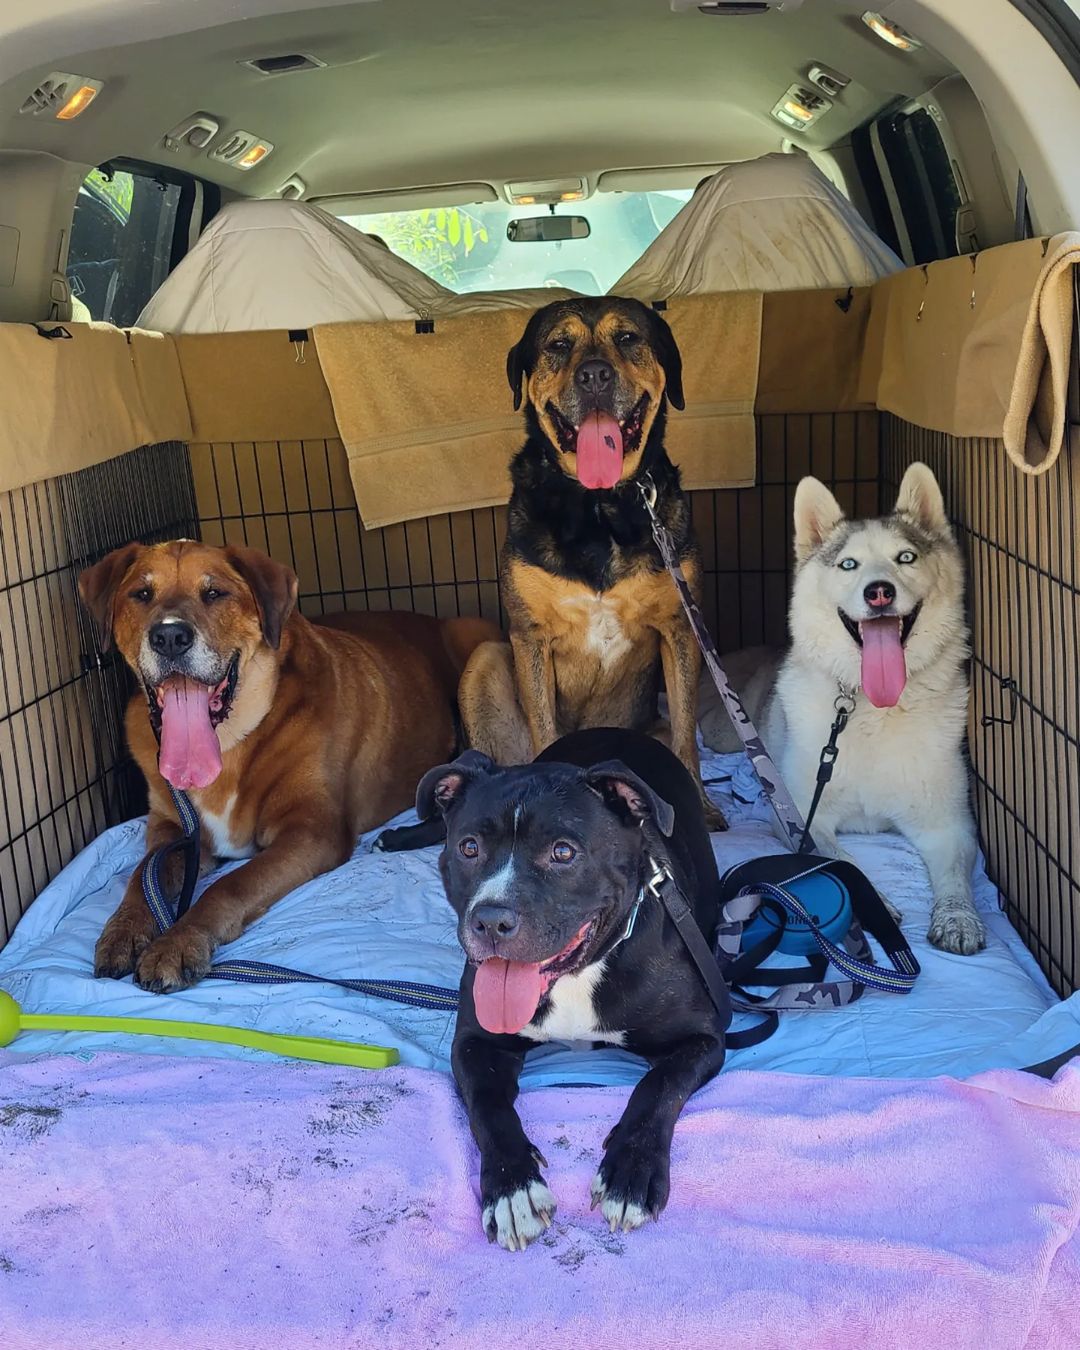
(926, 195)
(121, 243)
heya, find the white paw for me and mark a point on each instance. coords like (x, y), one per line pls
(517, 1219)
(956, 927)
(624, 1214)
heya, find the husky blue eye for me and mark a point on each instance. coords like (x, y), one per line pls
(907, 556)
(848, 564)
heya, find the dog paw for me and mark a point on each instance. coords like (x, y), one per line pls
(715, 819)
(177, 960)
(957, 928)
(121, 944)
(895, 914)
(631, 1185)
(516, 1218)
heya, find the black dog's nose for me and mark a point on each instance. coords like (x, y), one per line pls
(171, 639)
(494, 921)
(879, 594)
(595, 376)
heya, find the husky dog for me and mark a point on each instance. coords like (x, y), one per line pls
(877, 613)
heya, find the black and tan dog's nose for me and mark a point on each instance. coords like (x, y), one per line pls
(879, 594)
(595, 376)
(494, 922)
(171, 639)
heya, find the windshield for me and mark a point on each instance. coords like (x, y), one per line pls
(466, 248)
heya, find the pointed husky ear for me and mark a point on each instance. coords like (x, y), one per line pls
(817, 514)
(920, 500)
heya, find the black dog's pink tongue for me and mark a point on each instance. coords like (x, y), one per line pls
(190, 756)
(599, 451)
(884, 669)
(506, 994)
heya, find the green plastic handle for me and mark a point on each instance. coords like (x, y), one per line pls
(298, 1047)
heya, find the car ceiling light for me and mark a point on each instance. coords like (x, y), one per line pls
(62, 96)
(255, 155)
(798, 107)
(890, 32)
(546, 191)
(79, 101)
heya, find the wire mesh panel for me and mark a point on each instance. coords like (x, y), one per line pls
(295, 500)
(64, 771)
(1020, 535)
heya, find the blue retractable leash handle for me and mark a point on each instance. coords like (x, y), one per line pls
(431, 996)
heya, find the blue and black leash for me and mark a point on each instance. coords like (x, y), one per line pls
(430, 996)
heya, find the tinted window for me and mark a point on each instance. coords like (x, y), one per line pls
(924, 183)
(121, 244)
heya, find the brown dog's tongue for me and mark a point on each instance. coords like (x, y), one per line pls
(884, 669)
(190, 756)
(505, 995)
(599, 451)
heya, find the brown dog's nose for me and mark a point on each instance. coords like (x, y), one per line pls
(171, 639)
(595, 376)
(494, 922)
(879, 594)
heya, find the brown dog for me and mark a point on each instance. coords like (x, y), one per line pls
(292, 738)
(594, 617)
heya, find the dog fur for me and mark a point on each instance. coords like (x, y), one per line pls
(328, 730)
(899, 768)
(594, 618)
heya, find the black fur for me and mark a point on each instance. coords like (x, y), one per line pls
(615, 790)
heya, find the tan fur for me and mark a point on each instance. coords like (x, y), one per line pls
(327, 736)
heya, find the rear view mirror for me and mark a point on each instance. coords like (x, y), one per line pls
(547, 229)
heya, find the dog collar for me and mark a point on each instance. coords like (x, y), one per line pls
(658, 874)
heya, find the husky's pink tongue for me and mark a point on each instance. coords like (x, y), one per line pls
(884, 670)
(505, 994)
(599, 451)
(190, 756)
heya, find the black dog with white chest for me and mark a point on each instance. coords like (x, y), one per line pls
(548, 867)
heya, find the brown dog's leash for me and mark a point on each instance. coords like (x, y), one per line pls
(787, 813)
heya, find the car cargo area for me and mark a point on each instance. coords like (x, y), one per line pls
(324, 378)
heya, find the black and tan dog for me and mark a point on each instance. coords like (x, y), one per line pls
(594, 618)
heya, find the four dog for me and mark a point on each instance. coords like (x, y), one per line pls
(291, 737)
(294, 737)
(594, 618)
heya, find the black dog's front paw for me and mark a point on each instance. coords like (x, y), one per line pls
(518, 1206)
(633, 1181)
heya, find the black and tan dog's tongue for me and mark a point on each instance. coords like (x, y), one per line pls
(599, 451)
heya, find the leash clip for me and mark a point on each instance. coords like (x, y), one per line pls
(647, 488)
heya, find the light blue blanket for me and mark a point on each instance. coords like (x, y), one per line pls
(385, 915)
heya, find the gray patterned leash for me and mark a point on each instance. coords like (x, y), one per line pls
(785, 810)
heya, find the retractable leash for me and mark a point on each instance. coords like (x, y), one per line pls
(761, 901)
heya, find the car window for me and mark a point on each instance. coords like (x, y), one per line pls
(121, 244)
(924, 183)
(466, 248)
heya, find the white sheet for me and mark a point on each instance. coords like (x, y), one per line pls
(285, 264)
(385, 915)
(771, 224)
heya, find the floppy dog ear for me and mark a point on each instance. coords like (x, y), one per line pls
(670, 358)
(521, 358)
(441, 788)
(920, 500)
(98, 586)
(273, 585)
(629, 795)
(817, 514)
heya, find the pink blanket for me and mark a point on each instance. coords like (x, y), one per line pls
(221, 1205)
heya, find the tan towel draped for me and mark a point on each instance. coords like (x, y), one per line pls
(428, 422)
(1038, 404)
